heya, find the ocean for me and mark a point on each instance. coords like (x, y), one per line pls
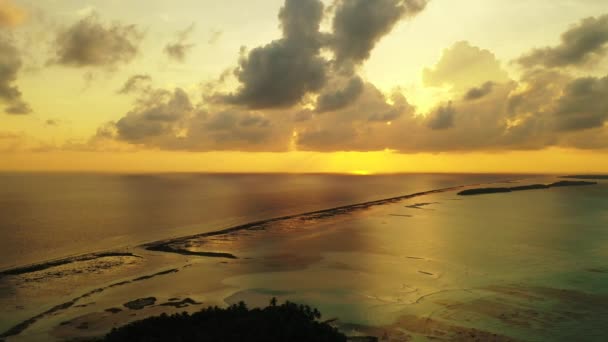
(519, 266)
(48, 216)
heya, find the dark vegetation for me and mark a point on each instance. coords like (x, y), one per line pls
(285, 322)
(481, 191)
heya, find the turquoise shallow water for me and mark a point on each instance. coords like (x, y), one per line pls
(528, 265)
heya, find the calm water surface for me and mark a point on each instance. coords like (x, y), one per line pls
(523, 266)
(45, 216)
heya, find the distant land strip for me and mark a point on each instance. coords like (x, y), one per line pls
(483, 191)
(597, 177)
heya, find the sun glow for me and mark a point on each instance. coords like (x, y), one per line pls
(361, 172)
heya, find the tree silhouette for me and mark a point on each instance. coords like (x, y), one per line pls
(285, 322)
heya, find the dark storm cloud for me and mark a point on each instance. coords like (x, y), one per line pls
(340, 98)
(583, 43)
(10, 64)
(442, 118)
(178, 49)
(89, 42)
(479, 92)
(280, 73)
(358, 25)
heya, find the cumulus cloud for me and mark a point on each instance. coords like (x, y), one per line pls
(358, 25)
(168, 119)
(10, 64)
(92, 43)
(463, 66)
(584, 43)
(160, 115)
(364, 126)
(543, 108)
(11, 15)
(178, 49)
(279, 74)
(293, 93)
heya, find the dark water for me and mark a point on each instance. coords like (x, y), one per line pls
(45, 216)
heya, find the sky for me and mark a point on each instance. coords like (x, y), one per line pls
(348, 86)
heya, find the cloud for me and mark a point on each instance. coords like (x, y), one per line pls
(584, 43)
(230, 130)
(476, 93)
(293, 94)
(11, 15)
(91, 43)
(583, 105)
(17, 142)
(159, 116)
(463, 66)
(442, 118)
(358, 25)
(280, 73)
(136, 83)
(168, 119)
(10, 64)
(545, 108)
(178, 49)
(332, 100)
(363, 126)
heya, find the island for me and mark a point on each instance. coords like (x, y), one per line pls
(592, 177)
(483, 191)
(284, 322)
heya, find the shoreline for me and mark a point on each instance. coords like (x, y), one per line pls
(560, 184)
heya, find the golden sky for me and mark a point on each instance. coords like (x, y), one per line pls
(356, 86)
